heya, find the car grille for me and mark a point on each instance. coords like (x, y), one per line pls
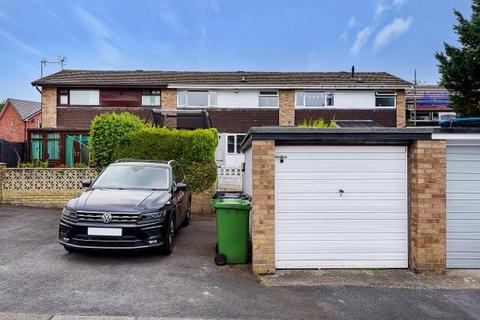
(117, 217)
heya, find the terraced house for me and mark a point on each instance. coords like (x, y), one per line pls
(235, 101)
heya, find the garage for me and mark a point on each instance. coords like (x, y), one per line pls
(341, 206)
(463, 206)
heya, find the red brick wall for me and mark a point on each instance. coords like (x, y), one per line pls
(11, 126)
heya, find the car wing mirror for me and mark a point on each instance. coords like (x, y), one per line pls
(86, 183)
(174, 187)
(181, 186)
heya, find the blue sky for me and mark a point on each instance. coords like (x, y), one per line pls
(329, 35)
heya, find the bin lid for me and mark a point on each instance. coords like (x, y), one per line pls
(231, 203)
(231, 195)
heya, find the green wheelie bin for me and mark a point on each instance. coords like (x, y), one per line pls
(232, 211)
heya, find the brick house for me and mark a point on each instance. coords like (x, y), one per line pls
(235, 101)
(17, 117)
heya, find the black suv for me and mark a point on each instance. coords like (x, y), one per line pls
(133, 204)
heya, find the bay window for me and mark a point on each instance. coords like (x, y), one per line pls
(385, 99)
(314, 99)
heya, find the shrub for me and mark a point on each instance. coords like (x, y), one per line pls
(107, 131)
(319, 123)
(35, 164)
(193, 149)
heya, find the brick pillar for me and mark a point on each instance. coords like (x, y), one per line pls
(263, 211)
(2, 167)
(49, 107)
(169, 101)
(286, 112)
(428, 206)
(401, 109)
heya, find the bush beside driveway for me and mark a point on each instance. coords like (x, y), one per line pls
(38, 277)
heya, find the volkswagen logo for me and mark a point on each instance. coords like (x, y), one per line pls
(107, 217)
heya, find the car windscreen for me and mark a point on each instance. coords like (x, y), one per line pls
(133, 177)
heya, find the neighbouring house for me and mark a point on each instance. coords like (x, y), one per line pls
(17, 117)
(427, 104)
(235, 101)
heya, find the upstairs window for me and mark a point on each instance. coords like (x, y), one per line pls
(385, 99)
(85, 97)
(150, 97)
(268, 98)
(63, 97)
(197, 98)
(314, 99)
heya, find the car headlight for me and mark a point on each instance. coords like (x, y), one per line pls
(69, 213)
(158, 215)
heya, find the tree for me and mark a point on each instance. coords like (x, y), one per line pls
(2, 104)
(460, 66)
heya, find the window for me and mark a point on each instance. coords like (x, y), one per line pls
(197, 98)
(53, 146)
(314, 99)
(85, 97)
(178, 175)
(63, 97)
(268, 98)
(150, 97)
(385, 99)
(234, 142)
(240, 138)
(36, 146)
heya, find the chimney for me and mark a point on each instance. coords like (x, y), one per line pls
(353, 71)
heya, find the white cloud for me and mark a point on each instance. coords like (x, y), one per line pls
(379, 9)
(352, 22)
(391, 31)
(399, 3)
(361, 39)
(106, 41)
(9, 37)
(171, 18)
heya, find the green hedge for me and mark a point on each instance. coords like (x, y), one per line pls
(107, 131)
(193, 149)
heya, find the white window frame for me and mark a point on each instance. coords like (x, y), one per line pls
(385, 94)
(152, 94)
(268, 95)
(83, 90)
(235, 135)
(314, 107)
(212, 98)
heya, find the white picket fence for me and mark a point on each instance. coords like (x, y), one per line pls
(229, 179)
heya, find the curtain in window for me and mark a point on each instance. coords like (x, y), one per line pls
(53, 146)
(36, 149)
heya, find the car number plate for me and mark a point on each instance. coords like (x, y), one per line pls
(105, 232)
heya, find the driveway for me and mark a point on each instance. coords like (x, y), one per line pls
(37, 276)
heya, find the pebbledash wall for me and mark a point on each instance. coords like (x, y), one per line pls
(53, 187)
(427, 204)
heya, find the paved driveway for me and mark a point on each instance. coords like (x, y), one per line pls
(38, 276)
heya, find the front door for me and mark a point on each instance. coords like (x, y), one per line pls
(233, 153)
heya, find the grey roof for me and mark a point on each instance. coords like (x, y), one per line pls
(139, 78)
(25, 108)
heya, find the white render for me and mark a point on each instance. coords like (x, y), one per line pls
(354, 99)
(248, 98)
(463, 206)
(317, 226)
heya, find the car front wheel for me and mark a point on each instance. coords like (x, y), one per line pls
(167, 247)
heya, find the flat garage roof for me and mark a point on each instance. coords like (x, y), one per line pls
(296, 135)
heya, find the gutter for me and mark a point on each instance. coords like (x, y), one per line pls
(276, 87)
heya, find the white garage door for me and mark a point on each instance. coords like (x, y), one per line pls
(463, 207)
(341, 207)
